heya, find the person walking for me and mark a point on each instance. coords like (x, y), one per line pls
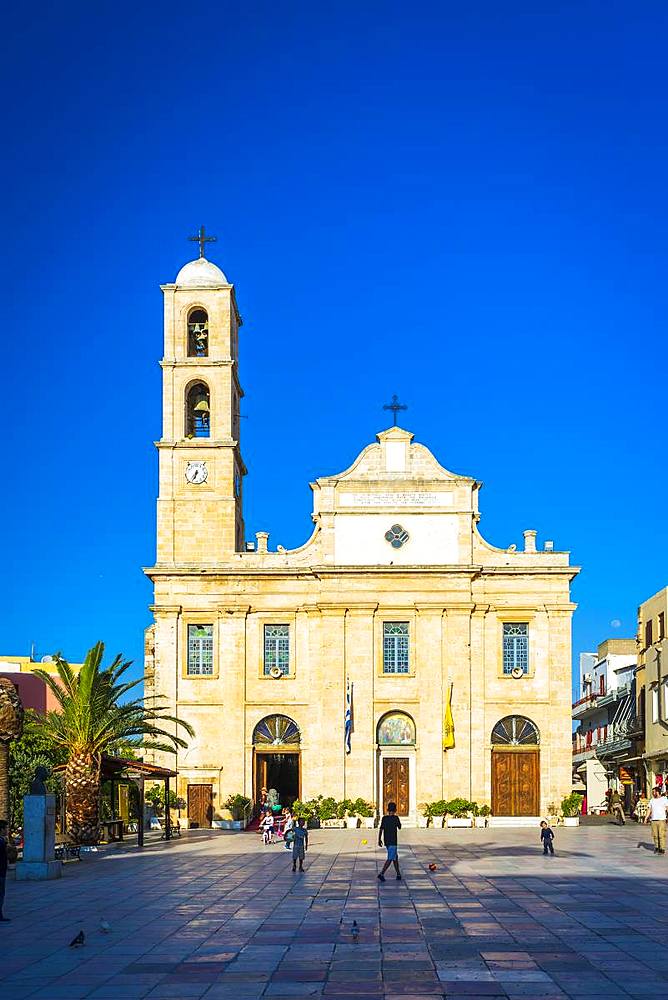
(389, 826)
(617, 807)
(657, 814)
(546, 836)
(299, 844)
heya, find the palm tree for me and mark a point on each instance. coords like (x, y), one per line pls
(11, 727)
(92, 719)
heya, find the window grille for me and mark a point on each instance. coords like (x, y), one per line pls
(277, 648)
(200, 650)
(515, 647)
(395, 647)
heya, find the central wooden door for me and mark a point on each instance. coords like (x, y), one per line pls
(515, 783)
(200, 804)
(395, 784)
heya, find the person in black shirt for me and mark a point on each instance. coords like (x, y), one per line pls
(389, 826)
(546, 836)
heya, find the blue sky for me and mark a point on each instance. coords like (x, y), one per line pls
(462, 204)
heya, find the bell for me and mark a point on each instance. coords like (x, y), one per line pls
(202, 406)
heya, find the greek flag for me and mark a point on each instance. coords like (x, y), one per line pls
(348, 728)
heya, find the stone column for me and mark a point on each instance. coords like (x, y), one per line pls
(39, 836)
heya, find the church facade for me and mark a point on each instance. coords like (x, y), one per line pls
(395, 615)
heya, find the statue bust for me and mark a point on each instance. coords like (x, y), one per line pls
(37, 786)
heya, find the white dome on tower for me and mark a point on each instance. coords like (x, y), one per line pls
(201, 273)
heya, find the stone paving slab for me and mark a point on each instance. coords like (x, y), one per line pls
(219, 916)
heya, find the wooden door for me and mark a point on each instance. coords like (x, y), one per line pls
(200, 804)
(515, 783)
(395, 784)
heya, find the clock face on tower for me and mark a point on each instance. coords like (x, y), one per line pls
(196, 472)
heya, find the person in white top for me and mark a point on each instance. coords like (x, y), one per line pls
(657, 814)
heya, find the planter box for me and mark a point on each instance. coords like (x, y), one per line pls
(423, 822)
(367, 822)
(351, 822)
(454, 821)
(571, 821)
(229, 824)
(333, 824)
(480, 822)
(312, 823)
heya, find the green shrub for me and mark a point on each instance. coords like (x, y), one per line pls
(572, 804)
(301, 809)
(439, 808)
(484, 810)
(362, 808)
(345, 807)
(326, 808)
(237, 804)
(427, 809)
(458, 808)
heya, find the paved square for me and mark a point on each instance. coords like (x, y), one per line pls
(217, 915)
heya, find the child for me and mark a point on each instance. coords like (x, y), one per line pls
(267, 826)
(390, 823)
(299, 844)
(546, 836)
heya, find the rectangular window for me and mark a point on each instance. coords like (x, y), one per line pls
(276, 649)
(655, 704)
(648, 634)
(662, 625)
(395, 647)
(515, 647)
(200, 650)
(601, 684)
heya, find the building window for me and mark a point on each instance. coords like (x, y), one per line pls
(200, 650)
(198, 411)
(198, 334)
(515, 646)
(395, 647)
(665, 699)
(655, 704)
(276, 649)
(648, 634)
(601, 684)
(662, 625)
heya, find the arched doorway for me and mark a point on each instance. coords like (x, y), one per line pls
(515, 767)
(395, 735)
(276, 746)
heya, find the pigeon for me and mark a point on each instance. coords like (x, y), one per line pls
(78, 941)
(432, 867)
(355, 931)
(105, 926)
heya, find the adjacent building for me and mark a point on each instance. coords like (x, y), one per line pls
(331, 668)
(606, 750)
(653, 677)
(32, 690)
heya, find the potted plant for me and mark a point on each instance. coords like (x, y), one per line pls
(302, 810)
(365, 813)
(235, 813)
(459, 812)
(481, 815)
(570, 808)
(327, 813)
(424, 815)
(438, 810)
(346, 812)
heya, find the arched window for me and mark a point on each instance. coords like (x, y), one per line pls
(198, 411)
(198, 334)
(396, 729)
(276, 731)
(515, 731)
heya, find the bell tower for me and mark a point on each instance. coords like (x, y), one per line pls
(200, 520)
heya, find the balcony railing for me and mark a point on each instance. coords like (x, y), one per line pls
(604, 736)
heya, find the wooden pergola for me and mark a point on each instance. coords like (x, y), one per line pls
(116, 769)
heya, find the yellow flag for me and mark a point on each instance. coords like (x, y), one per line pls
(448, 724)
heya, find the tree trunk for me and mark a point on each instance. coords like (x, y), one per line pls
(4, 779)
(82, 783)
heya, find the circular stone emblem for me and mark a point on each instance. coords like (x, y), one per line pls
(397, 536)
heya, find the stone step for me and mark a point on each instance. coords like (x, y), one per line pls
(514, 821)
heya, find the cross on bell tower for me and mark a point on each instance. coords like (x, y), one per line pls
(202, 239)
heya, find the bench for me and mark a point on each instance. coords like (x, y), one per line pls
(67, 850)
